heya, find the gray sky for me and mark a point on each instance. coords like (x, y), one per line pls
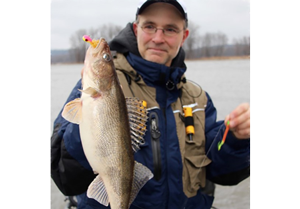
(231, 17)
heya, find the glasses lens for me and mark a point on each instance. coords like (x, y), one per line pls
(170, 32)
(149, 29)
(167, 31)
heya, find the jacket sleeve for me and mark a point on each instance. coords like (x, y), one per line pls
(70, 169)
(231, 164)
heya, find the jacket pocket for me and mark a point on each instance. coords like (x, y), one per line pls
(155, 143)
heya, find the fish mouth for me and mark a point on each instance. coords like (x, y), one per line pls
(101, 60)
(101, 48)
(101, 44)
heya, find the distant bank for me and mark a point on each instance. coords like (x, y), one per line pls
(228, 52)
(222, 58)
(200, 59)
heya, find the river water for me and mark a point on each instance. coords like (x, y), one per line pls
(226, 81)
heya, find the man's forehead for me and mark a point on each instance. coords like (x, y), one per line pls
(176, 24)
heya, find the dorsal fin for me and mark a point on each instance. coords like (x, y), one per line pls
(137, 114)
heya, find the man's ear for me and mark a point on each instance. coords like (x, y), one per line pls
(186, 33)
(134, 25)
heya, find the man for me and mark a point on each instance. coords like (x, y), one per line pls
(150, 66)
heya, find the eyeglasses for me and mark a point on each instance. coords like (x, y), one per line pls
(169, 31)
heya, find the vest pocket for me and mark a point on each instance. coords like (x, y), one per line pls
(195, 166)
(194, 171)
(195, 160)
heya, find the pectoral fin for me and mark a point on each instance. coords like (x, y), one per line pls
(140, 177)
(98, 191)
(72, 111)
(92, 92)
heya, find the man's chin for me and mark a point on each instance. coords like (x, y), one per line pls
(157, 59)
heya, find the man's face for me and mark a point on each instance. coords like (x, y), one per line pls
(159, 47)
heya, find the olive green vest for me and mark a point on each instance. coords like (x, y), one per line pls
(193, 155)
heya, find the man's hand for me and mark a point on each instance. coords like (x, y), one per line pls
(240, 121)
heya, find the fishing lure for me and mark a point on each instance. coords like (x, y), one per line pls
(220, 144)
(93, 43)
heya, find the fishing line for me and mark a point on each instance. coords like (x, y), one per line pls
(212, 144)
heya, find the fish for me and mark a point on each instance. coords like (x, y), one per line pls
(111, 128)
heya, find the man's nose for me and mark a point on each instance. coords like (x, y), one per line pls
(159, 36)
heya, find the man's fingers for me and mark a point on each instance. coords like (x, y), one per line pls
(242, 133)
(239, 115)
(240, 121)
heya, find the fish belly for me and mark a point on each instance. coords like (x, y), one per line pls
(106, 142)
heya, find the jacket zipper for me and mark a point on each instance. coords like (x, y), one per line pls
(155, 142)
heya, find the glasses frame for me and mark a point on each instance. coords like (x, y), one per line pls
(163, 30)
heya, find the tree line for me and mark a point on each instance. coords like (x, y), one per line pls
(195, 46)
(213, 44)
(78, 46)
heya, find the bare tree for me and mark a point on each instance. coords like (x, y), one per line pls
(213, 44)
(242, 46)
(246, 48)
(192, 42)
(219, 42)
(109, 31)
(78, 46)
(206, 42)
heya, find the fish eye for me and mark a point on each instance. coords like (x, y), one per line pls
(106, 57)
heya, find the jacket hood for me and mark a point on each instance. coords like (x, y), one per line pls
(125, 42)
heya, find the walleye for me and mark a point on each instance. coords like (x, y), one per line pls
(106, 130)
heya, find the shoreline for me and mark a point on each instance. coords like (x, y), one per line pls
(193, 59)
(220, 58)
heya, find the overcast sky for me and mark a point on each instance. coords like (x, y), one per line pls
(231, 17)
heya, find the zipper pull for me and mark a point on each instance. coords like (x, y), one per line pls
(155, 133)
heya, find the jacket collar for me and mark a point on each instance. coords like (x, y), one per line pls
(156, 74)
